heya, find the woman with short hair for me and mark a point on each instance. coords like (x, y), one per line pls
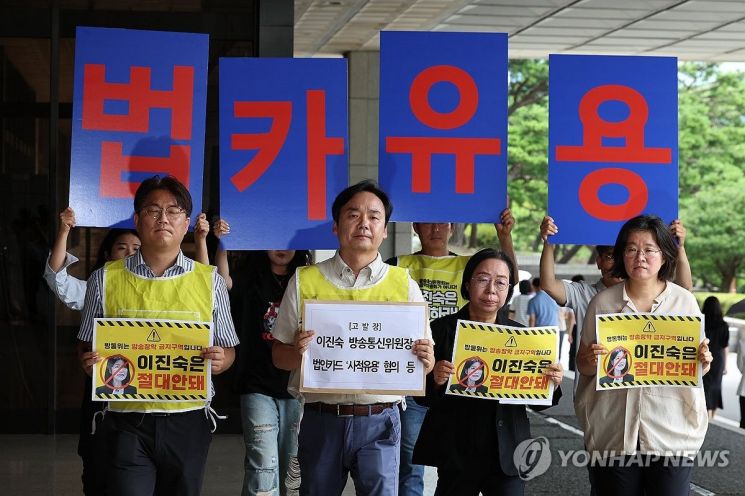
(471, 441)
(658, 425)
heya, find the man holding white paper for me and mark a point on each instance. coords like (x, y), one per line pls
(343, 432)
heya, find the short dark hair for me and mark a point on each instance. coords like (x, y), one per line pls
(104, 250)
(712, 311)
(578, 278)
(524, 287)
(536, 282)
(361, 187)
(663, 237)
(474, 262)
(168, 183)
(601, 250)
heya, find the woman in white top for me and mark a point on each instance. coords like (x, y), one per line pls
(656, 428)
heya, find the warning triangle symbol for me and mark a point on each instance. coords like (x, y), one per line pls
(511, 343)
(154, 337)
(649, 328)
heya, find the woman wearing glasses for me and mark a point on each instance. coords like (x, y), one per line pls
(654, 426)
(477, 456)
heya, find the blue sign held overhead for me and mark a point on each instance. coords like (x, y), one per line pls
(283, 150)
(613, 144)
(443, 125)
(139, 105)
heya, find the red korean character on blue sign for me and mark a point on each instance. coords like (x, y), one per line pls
(138, 110)
(283, 150)
(613, 143)
(443, 125)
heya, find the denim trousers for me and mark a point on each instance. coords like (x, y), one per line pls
(331, 446)
(270, 429)
(411, 477)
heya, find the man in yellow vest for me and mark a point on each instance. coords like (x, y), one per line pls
(340, 433)
(438, 271)
(159, 447)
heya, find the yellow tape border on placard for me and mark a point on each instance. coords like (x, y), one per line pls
(648, 382)
(172, 397)
(521, 396)
(503, 330)
(145, 323)
(663, 318)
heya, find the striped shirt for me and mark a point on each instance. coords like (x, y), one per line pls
(222, 322)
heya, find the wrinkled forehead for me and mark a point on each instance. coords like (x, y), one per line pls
(492, 267)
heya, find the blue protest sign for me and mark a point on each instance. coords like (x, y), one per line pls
(283, 150)
(138, 110)
(443, 125)
(613, 143)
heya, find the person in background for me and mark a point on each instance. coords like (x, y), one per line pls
(741, 368)
(663, 426)
(438, 271)
(566, 325)
(717, 332)
(116, 245)
(573, 335)
(270, 416)
(542, 309)
(519, 305)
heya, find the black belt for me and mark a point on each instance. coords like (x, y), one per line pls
(347, 410)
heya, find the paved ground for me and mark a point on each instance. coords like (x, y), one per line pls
(48, 465)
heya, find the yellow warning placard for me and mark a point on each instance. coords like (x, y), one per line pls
(647, 349)
(503, 363)
(146, 360)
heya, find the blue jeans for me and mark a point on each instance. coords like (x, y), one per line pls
(270, 428)
(411, 477)
(331, 446)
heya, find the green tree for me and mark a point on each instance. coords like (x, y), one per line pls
(527, 145)
(711, 161)
(716, 217)
(712, 165)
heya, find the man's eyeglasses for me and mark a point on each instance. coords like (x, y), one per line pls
(632, 252)
(171, 212)
(486, 282)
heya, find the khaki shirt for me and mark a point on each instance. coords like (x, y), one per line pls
(288, 321)
(661, 420)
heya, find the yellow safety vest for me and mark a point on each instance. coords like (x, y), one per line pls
(187, 296)
(439, 279)
(312, 285)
